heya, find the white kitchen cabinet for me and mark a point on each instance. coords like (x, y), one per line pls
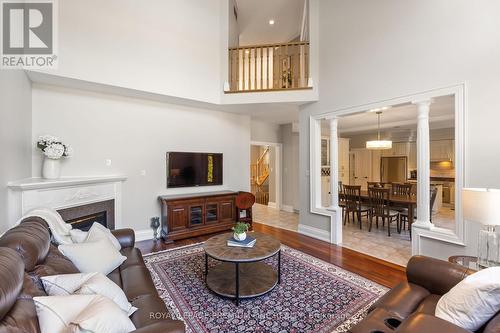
(344, 160)
(442, 150)
(362, 162)
(325, 191)
(412, 156)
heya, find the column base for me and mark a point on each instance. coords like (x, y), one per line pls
(427, 225)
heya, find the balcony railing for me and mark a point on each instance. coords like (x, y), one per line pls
(269, 67)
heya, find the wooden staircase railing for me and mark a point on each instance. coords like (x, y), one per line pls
(259, 174)
(269, 67)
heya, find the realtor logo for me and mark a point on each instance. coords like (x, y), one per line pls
(28, 34)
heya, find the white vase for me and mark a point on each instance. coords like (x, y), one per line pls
(240, 237)
(51, 168)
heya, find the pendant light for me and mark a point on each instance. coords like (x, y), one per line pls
(379, 144)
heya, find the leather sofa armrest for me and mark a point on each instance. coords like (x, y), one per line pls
(126, 237)
(437, 276)
(164, 326)
(419, 323)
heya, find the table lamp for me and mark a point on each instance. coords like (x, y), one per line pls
(483, 205)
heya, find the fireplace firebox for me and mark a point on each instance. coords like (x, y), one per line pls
(82, 217)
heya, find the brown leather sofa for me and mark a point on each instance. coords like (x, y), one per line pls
(410, 306)
(26, 254)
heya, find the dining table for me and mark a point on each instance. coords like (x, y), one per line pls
(408, 201)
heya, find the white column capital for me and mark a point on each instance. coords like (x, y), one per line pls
(331, 118)
(423, 102)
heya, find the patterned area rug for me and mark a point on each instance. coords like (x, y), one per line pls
(314, 296)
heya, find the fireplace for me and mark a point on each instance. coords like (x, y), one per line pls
(82, 217)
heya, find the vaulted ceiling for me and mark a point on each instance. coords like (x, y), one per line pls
(254, 16)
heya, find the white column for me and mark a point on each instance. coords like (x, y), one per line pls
(423, 165)
(334, 162)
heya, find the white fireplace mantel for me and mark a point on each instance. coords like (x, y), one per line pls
(26, 194)
(41, 183)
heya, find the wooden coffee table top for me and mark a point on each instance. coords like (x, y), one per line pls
(265, 247)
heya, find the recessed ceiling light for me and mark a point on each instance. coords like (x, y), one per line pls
(271, 22)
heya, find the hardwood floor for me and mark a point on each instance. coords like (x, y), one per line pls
(380, 271)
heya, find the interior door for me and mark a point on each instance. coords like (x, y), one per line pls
(362, 167)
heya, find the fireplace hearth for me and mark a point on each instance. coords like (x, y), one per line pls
(82, 217)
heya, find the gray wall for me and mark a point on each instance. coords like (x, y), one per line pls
(377, 50)
(290, 178)
(15, 134)
(264, 131)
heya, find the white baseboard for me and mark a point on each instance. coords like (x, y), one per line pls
(314, 232)
(142, 235)
(271, 204)
(287, 208)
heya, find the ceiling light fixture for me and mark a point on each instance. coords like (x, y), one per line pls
(271, 22)
(378, 144)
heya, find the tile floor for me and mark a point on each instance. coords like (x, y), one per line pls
(396, 249)
(276, 218)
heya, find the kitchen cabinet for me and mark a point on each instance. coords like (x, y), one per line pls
(325, 191)
(412, 156)
(362, 164)
(398, 149)
(442, 150)
(343, 163)
(344, 160)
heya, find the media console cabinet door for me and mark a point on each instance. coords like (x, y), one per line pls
(227, 209)
(177, 217)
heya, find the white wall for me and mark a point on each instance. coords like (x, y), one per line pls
(265, 132)
(135, 134)
(371, 51)
(15, 134)
(167, 47)
(290, 142)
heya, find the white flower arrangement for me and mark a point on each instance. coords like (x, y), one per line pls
(53, 148)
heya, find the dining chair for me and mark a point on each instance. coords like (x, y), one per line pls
(341, 197)
(375, 184)
(353, 204)
(379, 198)
(401, 189)
(404, 214)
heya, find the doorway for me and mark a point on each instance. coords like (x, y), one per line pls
(266, 166)
(383, 153)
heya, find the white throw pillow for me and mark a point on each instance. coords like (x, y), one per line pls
(98, 231)
(89, 257)
(77, 235)
(87, 284)
(81, 313)
(473, 301)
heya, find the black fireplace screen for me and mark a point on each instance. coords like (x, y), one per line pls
(85, 222)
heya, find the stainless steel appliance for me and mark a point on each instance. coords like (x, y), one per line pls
(393, 169)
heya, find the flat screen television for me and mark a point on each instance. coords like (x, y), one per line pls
(193, 169)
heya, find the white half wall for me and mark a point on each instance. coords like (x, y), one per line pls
(135, 134)
(372, 51)
(15, 135)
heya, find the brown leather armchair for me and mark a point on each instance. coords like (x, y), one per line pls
(410, 306)
(26, 254)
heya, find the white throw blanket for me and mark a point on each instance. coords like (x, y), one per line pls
(60, 229)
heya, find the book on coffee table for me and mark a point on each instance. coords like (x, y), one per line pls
(248, 242)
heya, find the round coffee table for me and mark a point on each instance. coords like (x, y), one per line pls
(241, 273)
